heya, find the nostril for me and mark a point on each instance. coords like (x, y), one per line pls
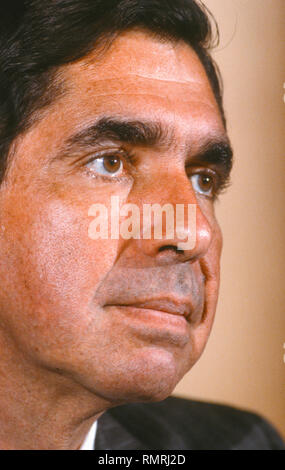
(170, 247)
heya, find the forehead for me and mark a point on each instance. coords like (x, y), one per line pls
(138, 78)
(138, 75)
(138, 53)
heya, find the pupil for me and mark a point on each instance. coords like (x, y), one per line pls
(206, 182)
(112, 164)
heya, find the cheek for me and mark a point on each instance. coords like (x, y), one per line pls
(66, 259)
(210, 267)
(210, 262)
(54, 270)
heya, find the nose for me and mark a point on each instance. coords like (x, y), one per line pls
(175, 227)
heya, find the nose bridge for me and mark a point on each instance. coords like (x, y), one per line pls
(173, 218)
(176, 189)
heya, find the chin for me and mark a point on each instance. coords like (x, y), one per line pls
(151, 376)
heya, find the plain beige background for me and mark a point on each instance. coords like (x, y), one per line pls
(244, 362)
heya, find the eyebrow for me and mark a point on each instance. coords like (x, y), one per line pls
(214, 150)
(133, 132)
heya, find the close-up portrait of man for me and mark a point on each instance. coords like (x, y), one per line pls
(114, 151)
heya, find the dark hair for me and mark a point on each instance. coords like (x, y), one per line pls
(38, 36)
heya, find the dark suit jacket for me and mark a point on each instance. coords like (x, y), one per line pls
(178, 424)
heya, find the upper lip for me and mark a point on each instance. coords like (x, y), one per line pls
(165, 304)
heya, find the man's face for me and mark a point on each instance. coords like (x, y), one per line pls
(124, 318)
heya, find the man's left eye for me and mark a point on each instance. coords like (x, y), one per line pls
(109, 165)
(203, 184)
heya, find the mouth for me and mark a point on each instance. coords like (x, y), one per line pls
(164, 305)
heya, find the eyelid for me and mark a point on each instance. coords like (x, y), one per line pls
(119, 153)
(127, 158)
(197, 170)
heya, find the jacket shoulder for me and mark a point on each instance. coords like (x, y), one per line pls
(178, 423)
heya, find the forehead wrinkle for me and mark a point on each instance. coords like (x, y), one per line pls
(113, 77)
(199, 101)
(132, 79)
(94, 87)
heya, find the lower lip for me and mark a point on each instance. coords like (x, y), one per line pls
(154, 324)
